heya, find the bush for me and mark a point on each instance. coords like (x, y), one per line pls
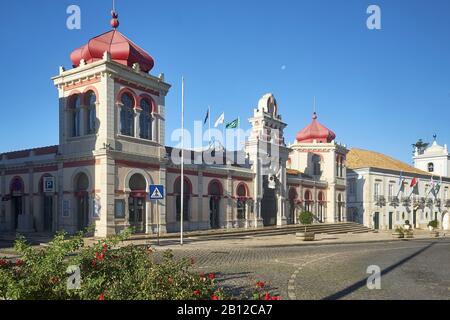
(107, 272)
(434, 224)
(306, 218)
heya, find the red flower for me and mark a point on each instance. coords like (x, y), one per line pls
(212, 276)
(105, 248)
(3, 262)
(260, 284)
(276, 298)
(94, 262)
(197, 292)
(202, 275)
(214, 297)
(99, 256)
(267, 297)
(101, 297)
(19, 262)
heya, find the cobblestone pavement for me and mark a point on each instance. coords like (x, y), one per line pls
(335, 267)
(410, 269)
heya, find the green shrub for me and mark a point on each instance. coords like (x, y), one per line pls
(107, 272)
(306, 218)
(434, 224)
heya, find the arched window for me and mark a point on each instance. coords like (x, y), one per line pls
(431, 167)
(75, 107)
(215, 189)
(308, 201)
(137, 183)
(91, 100)
(241, 203)
(186, 196)
(321, 207)
(145, 120)
(127, 115)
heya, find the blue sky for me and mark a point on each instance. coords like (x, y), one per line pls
(379, 90)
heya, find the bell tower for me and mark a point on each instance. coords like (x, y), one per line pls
(268, 155)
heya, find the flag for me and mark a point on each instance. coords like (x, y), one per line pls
(220, 120)
(413, 183)
(206, 117)
(437, 188)
(233, 124)
(402, 179)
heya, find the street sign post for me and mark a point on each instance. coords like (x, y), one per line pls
(156, 193)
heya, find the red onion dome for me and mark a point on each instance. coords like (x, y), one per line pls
(315, 131)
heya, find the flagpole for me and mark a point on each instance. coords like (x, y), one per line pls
(182, 163)
(209, 125)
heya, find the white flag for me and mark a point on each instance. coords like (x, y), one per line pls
(220, 120)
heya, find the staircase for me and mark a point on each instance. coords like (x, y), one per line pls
(322, 228)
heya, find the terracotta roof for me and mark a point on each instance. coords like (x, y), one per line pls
(315, 131)
(358, 159)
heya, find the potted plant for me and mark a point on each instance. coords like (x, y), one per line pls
(399, 232)
(306, 218)
(432, 226)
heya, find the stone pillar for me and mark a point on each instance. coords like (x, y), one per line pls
(105, 223)
(282, 220)
(258, 194)
(137, 123)
(202, 218)
(149, 216)
(229, 202)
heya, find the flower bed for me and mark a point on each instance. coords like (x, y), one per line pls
(106, 272)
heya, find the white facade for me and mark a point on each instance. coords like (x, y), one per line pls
(435, 159)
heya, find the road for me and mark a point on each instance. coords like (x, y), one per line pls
(414, 269)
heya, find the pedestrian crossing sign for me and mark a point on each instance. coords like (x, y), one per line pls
(156, 192)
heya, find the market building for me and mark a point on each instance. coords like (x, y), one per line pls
(112, 148)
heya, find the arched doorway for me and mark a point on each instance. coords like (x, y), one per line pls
(293, 195)
(187, 191)
(445, 221)
(82, 200)
(215, 194)
(242, 196)
(17, 191)
(137, 202)
(321, 207)
(340, 206)
(269, 208)
(308, 201)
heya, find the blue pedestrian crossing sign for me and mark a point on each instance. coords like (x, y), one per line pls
(156, 192)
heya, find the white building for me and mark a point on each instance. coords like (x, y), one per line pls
(383, 192)
(434, 159)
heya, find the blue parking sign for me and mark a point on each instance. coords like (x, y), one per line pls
(156, 192)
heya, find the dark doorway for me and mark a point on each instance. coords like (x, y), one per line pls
(214, 211)
(16, 209)
(48, 213)
(390, 220)
(414, 218)
(82, 200)
(82, 210)
(215, 193)
(136, 210)
(376, 221)
(137, 202)
(268, 205)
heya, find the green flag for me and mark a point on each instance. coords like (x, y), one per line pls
(233, 124)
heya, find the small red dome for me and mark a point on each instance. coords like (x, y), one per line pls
(316, 131)
(121, 49)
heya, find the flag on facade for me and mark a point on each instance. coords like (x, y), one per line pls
(233, 124)
(220, 120)
(206, 117)
(437, 188)
(413, 183)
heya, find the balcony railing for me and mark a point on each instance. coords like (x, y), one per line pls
(394, 201)
(379, 200)
(429, 203)
(406, 201)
